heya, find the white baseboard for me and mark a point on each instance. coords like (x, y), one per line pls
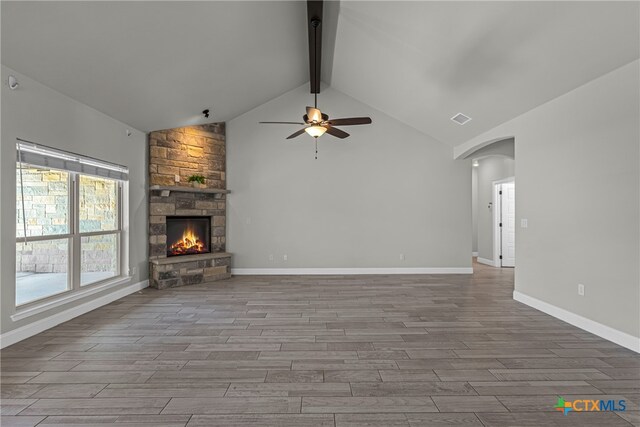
(487, 262)
(38, 326)
(348, 271)
(474, 253)
(596, 328)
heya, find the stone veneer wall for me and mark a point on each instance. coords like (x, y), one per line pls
(183, 152)
(188, 151)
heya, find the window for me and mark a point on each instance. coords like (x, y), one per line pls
(73, 223)
(99, 227)
(42, 269)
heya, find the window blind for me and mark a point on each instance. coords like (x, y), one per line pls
(41, 155)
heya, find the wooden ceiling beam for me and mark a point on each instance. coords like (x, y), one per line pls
(314, 24)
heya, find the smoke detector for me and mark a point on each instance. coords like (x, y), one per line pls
(12, 82)
(461, 119)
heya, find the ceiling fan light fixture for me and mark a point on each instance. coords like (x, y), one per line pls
(315, 131)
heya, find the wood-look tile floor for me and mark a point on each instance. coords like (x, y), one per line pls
(292, 351)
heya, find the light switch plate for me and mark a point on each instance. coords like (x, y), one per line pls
(523, 223)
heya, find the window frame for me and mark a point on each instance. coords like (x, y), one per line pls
(74, 238)
(78, 235)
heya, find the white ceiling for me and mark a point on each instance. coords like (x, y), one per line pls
(156, 65)
(423, 62)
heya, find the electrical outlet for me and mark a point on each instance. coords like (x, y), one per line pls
(271, 257)
(284, 257)
(523, 223)
(133, 271)
(401, 257)
(176, 178)
(580, 289)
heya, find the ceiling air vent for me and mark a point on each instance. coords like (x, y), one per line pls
(460, 118)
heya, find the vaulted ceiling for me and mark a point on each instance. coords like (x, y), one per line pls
(156, 65)
(423, 62)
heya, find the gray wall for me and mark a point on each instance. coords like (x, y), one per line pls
(578, 184)
(474, 209)
(386, 190)
(492, 168)
(37, 113)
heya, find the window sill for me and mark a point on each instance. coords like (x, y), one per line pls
(73, 296)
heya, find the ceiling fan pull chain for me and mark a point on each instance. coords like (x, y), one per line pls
(316, 138)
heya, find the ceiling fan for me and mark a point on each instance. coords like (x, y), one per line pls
(315, 122)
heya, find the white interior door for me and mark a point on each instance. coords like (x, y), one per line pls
(508, 220)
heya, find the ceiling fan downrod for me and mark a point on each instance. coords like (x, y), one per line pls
(314, 10)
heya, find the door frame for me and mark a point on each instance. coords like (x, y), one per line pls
(497, 210)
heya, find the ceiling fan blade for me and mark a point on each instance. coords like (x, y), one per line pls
(314, 114)
(336, 132)
(282, 123)
(295, 134)
(350, 121)
(324, 118)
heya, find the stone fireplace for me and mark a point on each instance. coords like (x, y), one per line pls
(187, 225)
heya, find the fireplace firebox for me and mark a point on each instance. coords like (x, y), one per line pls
(188, 235)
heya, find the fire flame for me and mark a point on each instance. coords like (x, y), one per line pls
(189, 244)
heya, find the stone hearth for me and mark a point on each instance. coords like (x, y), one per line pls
(190, 269)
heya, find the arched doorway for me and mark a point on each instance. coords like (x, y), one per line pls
(493, 202)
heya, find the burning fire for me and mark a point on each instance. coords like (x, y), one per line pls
(190, 244)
